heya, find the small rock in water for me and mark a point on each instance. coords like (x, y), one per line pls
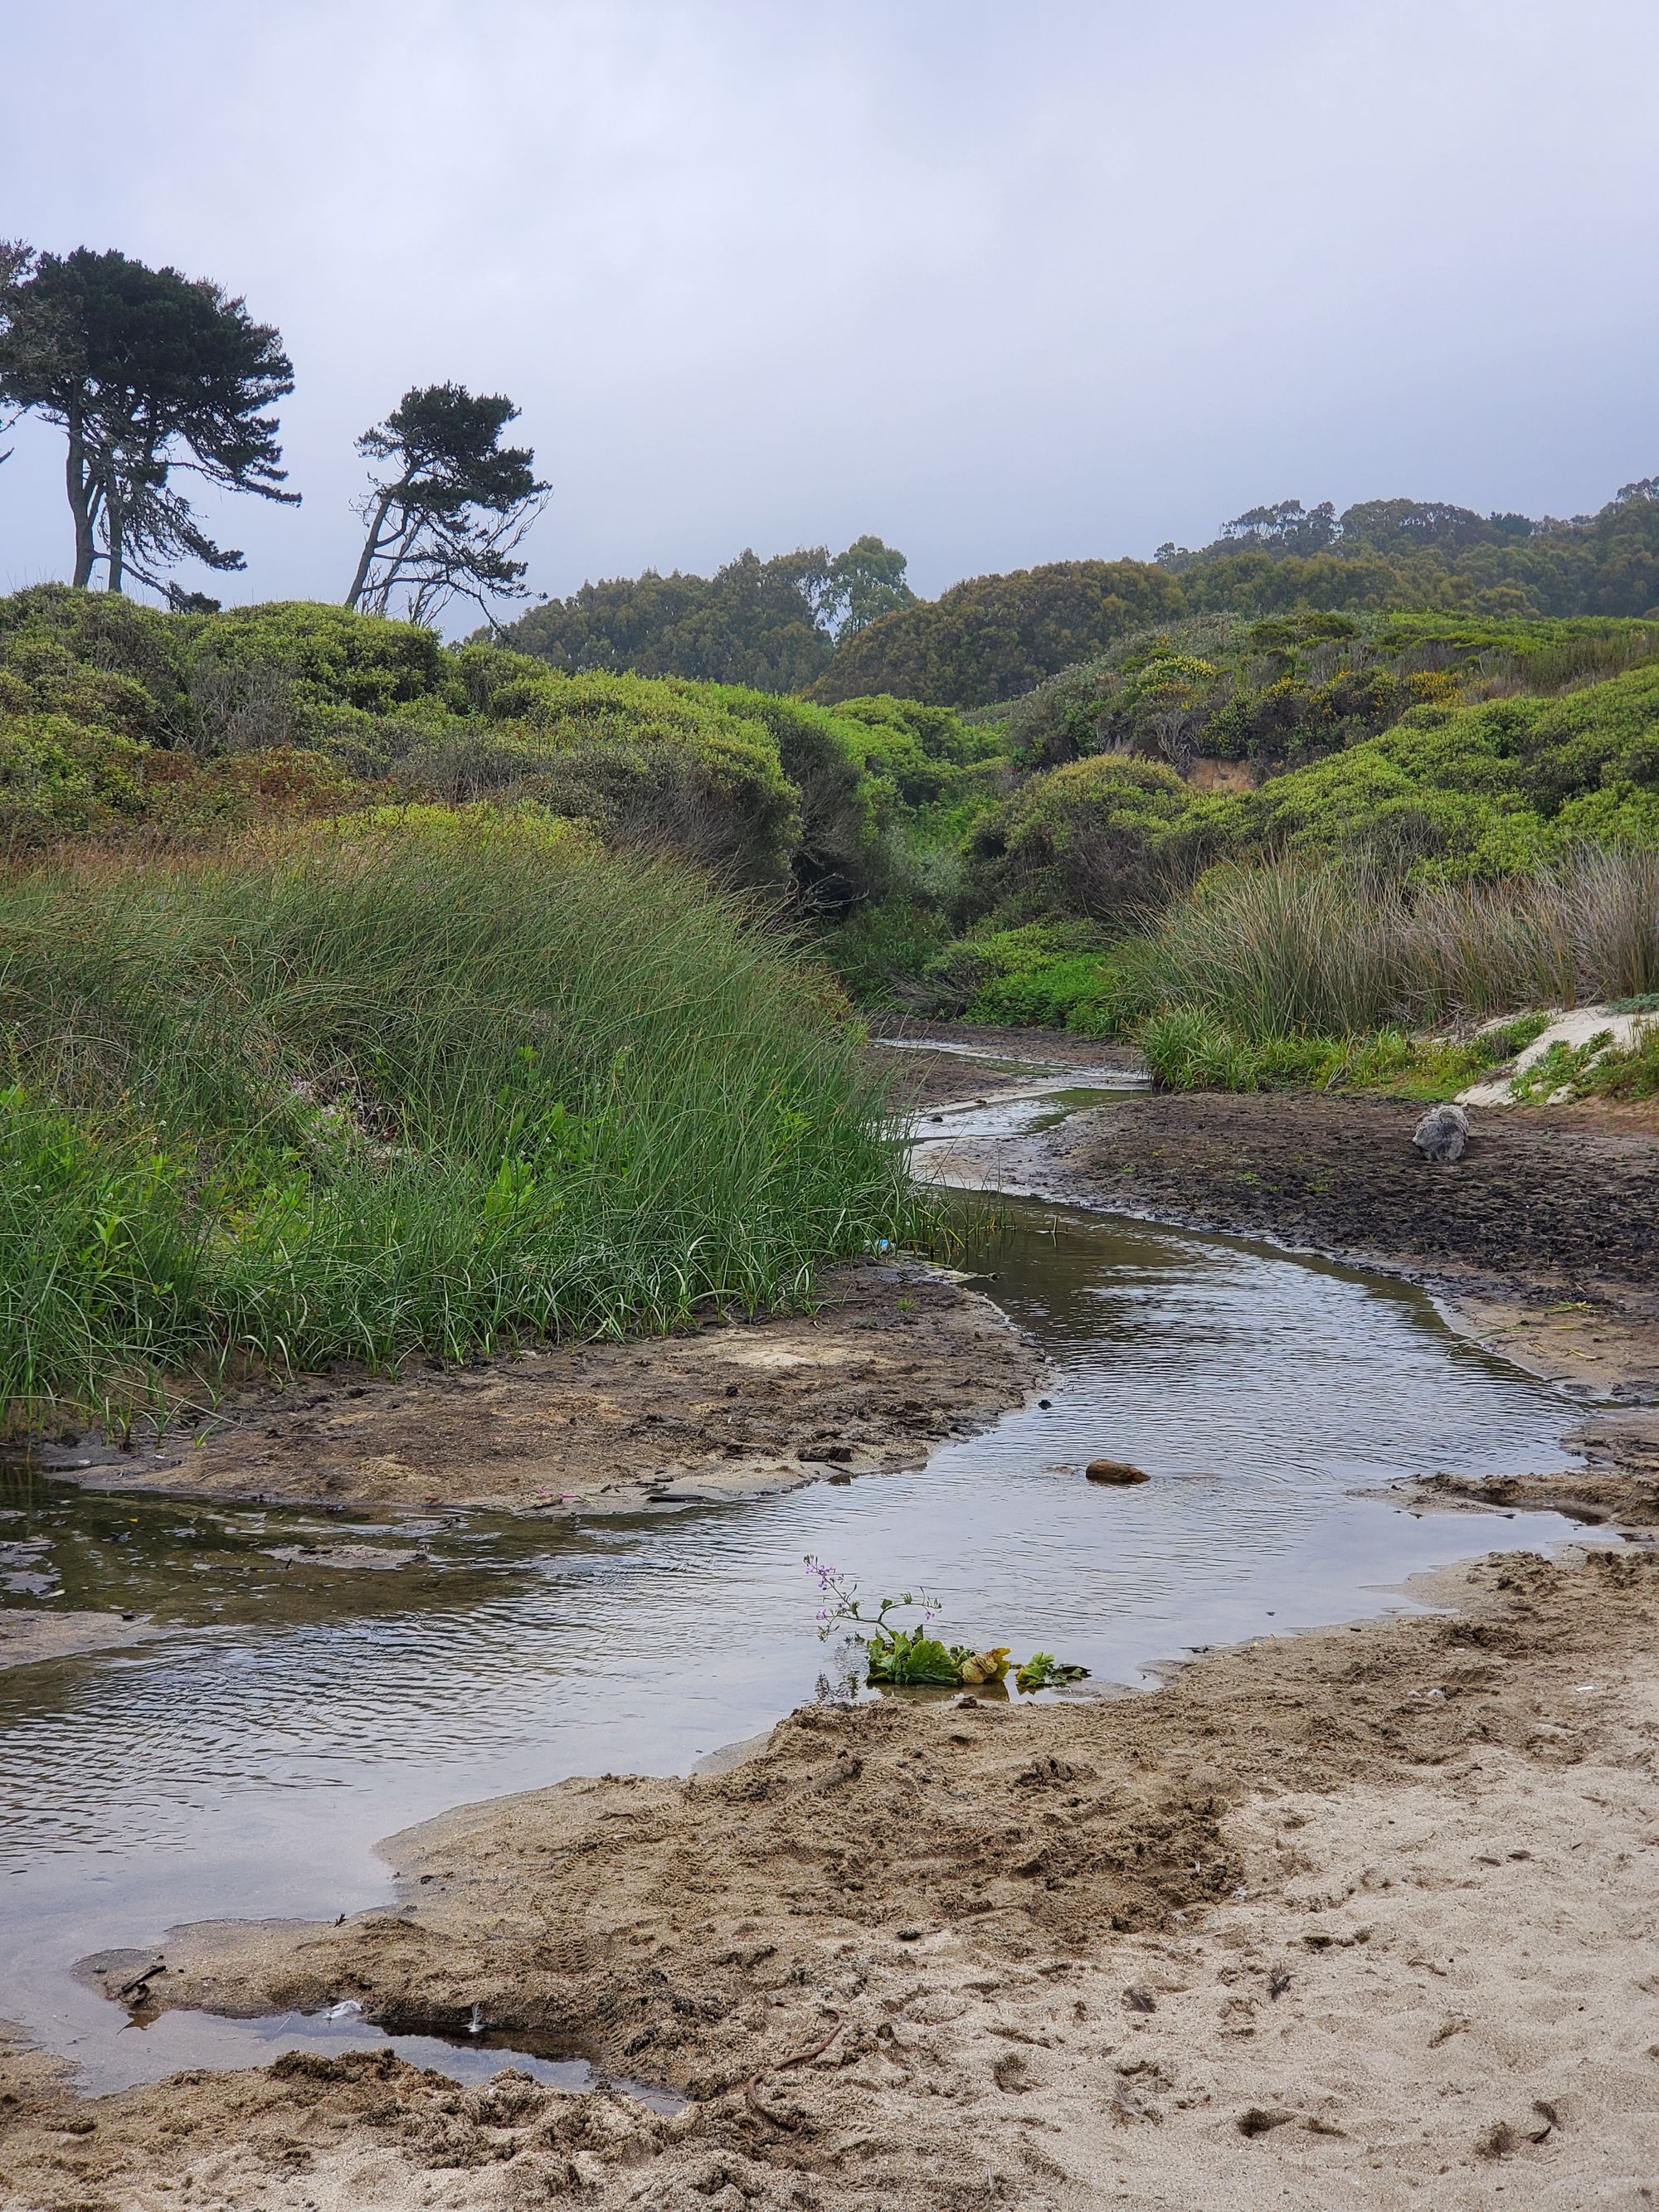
(1441, 1133)
(1115, 1471)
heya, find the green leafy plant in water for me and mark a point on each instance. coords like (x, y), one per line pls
(907, 1656)
(1043, 1671)
(900, 1657)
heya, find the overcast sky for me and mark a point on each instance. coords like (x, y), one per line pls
(1005, 281)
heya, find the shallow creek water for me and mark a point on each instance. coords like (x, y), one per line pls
(246, 1762)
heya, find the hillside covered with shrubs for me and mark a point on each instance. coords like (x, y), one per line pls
(119, 721)
(1461, 796)
(363, 995)
(1041, 861)
(992, 638)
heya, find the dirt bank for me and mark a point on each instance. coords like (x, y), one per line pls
(896, 1359)
(1358, 1917)
(1564, 1207)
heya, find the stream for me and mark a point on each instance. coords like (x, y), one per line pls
(246, 1762)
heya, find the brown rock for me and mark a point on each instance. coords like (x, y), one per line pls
(1117, 1471)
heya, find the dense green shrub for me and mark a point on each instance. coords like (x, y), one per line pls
(106, 633)
(355, 701)
(338, 658)
(59, 779)
(656, 765)
(1044, 975)
(1090, 839)
(38, 675)
(883, 946)
(1289, 689)
(1479, 790)
(994, 637)
(843, 851)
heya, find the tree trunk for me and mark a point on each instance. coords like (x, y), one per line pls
(371, 544)
(74, 474)
(115, 579)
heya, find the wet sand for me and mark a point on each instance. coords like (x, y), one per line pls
(894, 1360)
(1360, 1917)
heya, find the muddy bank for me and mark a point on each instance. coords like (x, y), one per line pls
(1359, 1917)
(894, 1360)
(1555, 1206)
(1619, 1485)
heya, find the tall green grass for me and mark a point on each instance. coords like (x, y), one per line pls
(1299, 949)
(381, 1090)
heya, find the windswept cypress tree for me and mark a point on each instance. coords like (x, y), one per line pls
(152, 376)
(448, 512)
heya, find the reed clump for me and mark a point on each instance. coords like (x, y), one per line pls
(373, 1089)
(1299, 949)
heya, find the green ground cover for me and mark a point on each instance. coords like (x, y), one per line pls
(120, 722)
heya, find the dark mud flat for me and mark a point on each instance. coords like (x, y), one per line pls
(1538, 1202)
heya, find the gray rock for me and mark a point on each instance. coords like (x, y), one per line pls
(1441, 1133)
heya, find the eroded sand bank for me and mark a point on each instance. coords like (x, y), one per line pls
(1364, 1916)
(894, 1360)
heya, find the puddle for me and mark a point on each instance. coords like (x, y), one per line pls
(246, 1764)
(175, 2040)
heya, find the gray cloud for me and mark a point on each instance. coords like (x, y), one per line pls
(1005, 284)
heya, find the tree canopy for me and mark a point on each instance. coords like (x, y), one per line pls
(770, 624)
(449, 506)
(995, 637)
(152, 376)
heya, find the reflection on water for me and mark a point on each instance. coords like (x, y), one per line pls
(175, 2040)
(297, 1712)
